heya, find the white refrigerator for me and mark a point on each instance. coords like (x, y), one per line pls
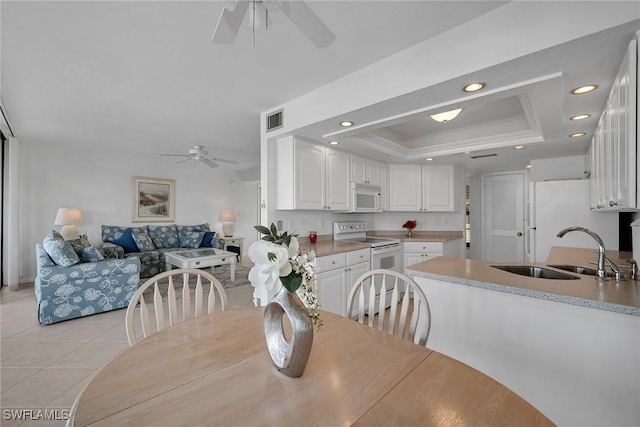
(555, 205)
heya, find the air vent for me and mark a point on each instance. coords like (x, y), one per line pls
(275, 120)
(480, 156)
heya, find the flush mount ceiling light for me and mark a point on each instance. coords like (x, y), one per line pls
(518, 147)
(584, 89)
(577, 135)
(346, 124)
(474, 87)
(580, 117)
(446, 116)
(428, 159)
(333, 143)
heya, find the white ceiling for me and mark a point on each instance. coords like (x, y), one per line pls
(146, 75)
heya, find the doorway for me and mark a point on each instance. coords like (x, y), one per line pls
(503, 213)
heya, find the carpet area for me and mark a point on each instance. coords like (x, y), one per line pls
(223, 274)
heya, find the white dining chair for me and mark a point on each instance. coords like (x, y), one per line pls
(403, 312)
(197, 285)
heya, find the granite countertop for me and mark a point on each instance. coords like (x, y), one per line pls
(419, 236)
(325, 245)
(619, 297)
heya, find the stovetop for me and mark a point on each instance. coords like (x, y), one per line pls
(356, 231)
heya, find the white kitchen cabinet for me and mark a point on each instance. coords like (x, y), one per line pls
(415, 188)
(613, 147)
(415, 252)
(365, 171)
(337, 273)
(311, 177)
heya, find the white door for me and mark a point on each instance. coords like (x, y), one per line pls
(503, 217)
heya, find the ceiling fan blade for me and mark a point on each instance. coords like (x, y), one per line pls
(181, 161)
(308, 22)
(229, 23)
(209, 163)
(174, 155)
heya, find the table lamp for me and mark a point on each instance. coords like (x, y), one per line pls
(228, 218)
(68, 218)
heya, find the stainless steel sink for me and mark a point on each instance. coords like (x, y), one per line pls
(577, 269)
(536, 271)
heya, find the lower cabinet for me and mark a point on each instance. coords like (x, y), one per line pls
(415, 252)
(337, 273)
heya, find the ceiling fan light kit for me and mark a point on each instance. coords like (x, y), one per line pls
(297, 11)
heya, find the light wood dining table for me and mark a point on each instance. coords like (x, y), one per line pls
(216, 370)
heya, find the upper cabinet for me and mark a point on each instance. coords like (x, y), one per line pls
(416, 188)
(365, 171)
(613, 148)
(311, 177)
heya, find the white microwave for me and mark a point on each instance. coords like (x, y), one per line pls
(365, 198)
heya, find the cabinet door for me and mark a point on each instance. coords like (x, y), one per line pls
(353, 273)
(358, 170)
(412, 258)
(332, 291)
(338, 188)
(405, 188)
(438, 188)
(372, 172)
(310, 176)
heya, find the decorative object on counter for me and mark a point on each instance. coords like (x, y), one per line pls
(410, 225)
(68, 218)
(280, 262)
(313, 236)
(228, 218)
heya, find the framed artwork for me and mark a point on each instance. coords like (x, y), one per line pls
(153, 199)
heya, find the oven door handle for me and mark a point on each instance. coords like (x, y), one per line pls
(385, 249)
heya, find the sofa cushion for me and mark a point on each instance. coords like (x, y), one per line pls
(198, 227)
(164, 236)
(59, 250)
(143, 240)
(206, 239)
(191, 239)
(121, 236)
(85, 251)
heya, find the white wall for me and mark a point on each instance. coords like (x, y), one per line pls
(98, 181)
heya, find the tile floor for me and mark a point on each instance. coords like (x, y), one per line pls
(45, 367)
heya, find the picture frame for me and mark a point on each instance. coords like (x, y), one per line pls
(153, 199)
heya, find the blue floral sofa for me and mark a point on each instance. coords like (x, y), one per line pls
(74, 279)
(149, 243)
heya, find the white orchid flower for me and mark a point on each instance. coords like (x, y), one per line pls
(271, 261)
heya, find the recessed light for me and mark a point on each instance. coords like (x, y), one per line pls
(518, 147)
(528, 166)
(577, 135)
(584, 89)
(580, 117)
(346, 124)
(428, 159)
(333, 143)
(474, 87)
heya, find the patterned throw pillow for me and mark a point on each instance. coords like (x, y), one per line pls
(164, 236)
(143, 240)
(60, 251)
(90, 254)
(206, 240)
(191, 239)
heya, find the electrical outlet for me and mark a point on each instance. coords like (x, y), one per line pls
(279, 225)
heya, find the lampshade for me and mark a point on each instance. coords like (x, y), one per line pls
(228, 218)
(68, 218)
(446, 116)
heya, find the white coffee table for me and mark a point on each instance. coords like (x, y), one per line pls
(200, 258)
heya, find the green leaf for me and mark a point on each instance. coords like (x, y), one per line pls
(274, 230)
(261, 229)
(291, 282)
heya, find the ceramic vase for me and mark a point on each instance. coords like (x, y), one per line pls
(290, 357)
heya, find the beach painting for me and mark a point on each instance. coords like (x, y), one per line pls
(153, 199)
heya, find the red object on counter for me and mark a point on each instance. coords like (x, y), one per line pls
(313, 236)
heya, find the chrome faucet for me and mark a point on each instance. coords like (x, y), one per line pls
(601, 250)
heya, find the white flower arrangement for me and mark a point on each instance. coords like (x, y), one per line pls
(278, 259)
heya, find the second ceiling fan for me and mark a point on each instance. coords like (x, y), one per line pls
(297, 11)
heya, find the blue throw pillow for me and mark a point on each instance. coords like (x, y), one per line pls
(126, 242)
(60, 251)
(143, 240)
(206, 240)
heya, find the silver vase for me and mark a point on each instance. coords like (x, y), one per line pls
(290, 357)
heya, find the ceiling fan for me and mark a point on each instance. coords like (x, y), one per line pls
(297, 11)
(198, 153)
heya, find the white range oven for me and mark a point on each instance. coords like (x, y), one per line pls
(386, 253)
